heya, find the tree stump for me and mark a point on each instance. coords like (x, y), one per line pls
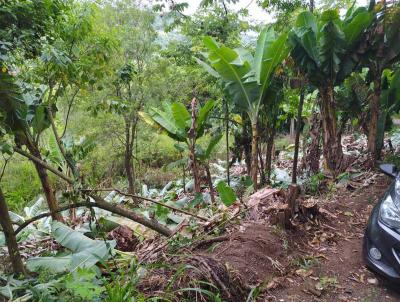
(293, 193)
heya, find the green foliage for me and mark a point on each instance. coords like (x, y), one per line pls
(85, 251)
(314, 182)
(83, 284)
(226, 193)
(322, 46)
(247, 78)
(176, 121)
(20, 172)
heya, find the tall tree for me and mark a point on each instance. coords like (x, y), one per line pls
(380, 50)
(246, 78)
(323, 49)
(134, 70)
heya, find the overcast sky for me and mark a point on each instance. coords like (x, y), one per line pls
(256, 13)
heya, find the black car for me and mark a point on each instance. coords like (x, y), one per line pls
(382, 236)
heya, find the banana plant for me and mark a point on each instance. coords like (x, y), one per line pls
(176, 121)
(380, 50)
(325, 50)
(247, 78)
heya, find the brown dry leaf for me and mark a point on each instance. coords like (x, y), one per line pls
(274, 283)
(326, 212)
(304, 273)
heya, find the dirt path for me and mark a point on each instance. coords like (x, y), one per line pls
(320, 261)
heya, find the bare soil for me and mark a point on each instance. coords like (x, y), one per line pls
(320, 260)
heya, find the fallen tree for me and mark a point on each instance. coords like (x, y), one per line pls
(98, 202)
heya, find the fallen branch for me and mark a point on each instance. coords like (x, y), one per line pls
(151, 200)
(113, 208)
(211, 241)
(101, 203)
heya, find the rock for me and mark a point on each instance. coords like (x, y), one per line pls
(372, 281)
(348, 291)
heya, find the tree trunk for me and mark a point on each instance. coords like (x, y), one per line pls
(227, 141)
(297, 139)
(45, 181)
(269, 154)
(11, 239)
(373, 123)
(263, 179)
(210, 184)
(254, 156)
(128, 156)
(192, 146)
(292, 130)
(332, 145)
(313, 153)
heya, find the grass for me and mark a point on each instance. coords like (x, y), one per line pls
(20, 183)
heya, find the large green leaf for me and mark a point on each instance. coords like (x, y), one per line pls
(331, 45)
(86, 252)
(212, 144)
(181, 115)
(357, 26)
(226, 193)
(203, 115)
(231, 67)
(273, 54)
(166, 121)
(246, 79)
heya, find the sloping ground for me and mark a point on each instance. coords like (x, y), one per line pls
(320, 260)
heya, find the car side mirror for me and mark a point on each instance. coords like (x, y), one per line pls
(389, 169)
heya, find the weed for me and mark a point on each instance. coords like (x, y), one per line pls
(313, 183)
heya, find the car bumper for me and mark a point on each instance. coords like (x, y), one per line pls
(387, 241)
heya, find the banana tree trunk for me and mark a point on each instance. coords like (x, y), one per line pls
(332, 145)
(46, 185)
(254, 155)
(373, 123)
(313, 153)
(11, 240)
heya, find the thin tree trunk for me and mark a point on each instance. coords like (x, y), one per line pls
(254, 156)
(332, 145)
(11, 240)
(46, 185)
(262, 168)
(210, 184)
(292, 128)
(373, 123)
(192, 146)
(297, 139)
(128, 156)
(268, 156)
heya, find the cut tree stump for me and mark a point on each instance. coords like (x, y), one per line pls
(293, 194)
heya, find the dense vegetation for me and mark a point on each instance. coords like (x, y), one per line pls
(121, 111)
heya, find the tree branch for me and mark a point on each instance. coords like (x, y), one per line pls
(68, 112)
(44, 164)
(151, 200)
(101, 203)
(110, 207)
